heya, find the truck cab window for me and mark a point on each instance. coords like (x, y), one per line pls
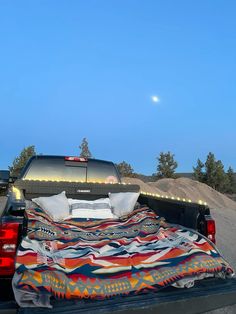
(101, 172)
(55, 169)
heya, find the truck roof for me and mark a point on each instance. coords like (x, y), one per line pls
(65, 156)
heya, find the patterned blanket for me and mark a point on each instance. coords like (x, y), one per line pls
(104, 258)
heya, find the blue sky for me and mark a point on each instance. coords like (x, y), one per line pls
(74, 69)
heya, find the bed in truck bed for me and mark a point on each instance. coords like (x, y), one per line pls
(206, 295)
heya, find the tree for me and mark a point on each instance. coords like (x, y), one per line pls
(212, 173)
(85, 152)
(20, 161)
(198, 173)
(221, 179)
(166, 165)
(231, 188)
(125, 169)
(210, 166)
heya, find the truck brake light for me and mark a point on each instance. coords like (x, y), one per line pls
(6, 262)
(8, 234)
(211, 229)
(78, 159)
(8, 244)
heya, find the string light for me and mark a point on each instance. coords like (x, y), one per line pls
(17, 192)
(200, 202)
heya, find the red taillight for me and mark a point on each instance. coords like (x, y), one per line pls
(211, 229)
(6, 262)
(8, 245)
(8, 234)
(78, 159)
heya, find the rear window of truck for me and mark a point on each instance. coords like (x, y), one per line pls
(99, 171)
(63, 170)
(55, 169)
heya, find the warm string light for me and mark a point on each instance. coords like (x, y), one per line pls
(200, 202)
(17, 193)
(74, 181)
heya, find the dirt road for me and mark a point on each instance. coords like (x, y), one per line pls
(226, 243)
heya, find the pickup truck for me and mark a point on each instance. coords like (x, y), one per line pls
(90, 179)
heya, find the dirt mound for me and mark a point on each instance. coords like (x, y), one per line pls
(143, 186)
(185, 188)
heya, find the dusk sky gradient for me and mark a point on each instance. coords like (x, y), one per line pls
(74, 69)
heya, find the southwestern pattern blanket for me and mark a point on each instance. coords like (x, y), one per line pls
(104, 258)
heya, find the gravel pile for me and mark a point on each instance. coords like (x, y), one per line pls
(186, 188)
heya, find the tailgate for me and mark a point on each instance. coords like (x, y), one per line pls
(207, 295)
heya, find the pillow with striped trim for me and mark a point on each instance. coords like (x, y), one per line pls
(97, 209)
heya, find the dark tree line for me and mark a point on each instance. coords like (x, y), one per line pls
(20, 161)
(165, 168)
(125, 169)
(29, 151)
(211, 171)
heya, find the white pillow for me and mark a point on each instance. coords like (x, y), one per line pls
(123, 203)
(56, 206)
(91, 213)
(101, 203)
(97, 209)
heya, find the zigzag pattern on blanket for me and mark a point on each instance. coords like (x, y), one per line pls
(100, 259)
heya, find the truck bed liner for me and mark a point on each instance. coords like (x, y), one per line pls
(207, 295)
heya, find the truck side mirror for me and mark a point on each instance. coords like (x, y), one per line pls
(12, 179)
(4, 175)
(4, 180)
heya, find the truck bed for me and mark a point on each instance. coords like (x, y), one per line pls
(177, 212)
(208, 294)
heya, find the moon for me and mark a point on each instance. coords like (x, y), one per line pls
(155, 98)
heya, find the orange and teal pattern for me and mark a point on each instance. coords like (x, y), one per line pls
(104, 258)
